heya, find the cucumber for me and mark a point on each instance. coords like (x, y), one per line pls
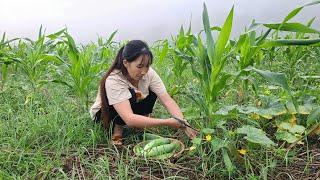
(162, 149)
(156, 142)
(164, 156)
(138, 151)
(149, 136)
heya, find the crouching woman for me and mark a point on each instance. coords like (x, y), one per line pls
(128, 91)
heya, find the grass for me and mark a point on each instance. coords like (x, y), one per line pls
(49, 136)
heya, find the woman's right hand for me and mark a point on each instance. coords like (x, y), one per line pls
(171, 122)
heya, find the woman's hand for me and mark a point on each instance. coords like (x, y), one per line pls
(177, 125)
(190, 132)
(171, 122)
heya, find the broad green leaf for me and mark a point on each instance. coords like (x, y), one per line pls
(196, 141)
(305, 109)
(292, 128)
(217, 144)
(276, 78)
(286, 136)
(255, 135)
(207, 131)
(225, 110)
(314, 117)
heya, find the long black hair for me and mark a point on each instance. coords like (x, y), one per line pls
(130, 52)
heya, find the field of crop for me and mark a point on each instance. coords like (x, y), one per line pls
(255, 100)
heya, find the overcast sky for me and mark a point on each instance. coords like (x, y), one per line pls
(149, 20)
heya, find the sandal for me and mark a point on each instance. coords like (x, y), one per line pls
(116, 140)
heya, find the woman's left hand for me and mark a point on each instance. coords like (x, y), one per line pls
(190, 132)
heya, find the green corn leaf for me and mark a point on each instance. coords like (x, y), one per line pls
(310, 22)
(40, 32)
(59, 81)
(57, 34)
(209, 38)
(292, 14)
(261, 39)
(312, 3)
(164, 51)
(189, 29)
(291, 42)
(292, 27)
(72, 45)
(224, 35)
(111, 37)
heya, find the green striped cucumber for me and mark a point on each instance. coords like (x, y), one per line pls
(164, 156)
(149, 136)
(156, 142)
(162, 149)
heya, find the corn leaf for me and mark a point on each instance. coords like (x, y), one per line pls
(209, 38)
(224, 35)
(292, 27)
(291, 42)
(57, 34)
(111, 37)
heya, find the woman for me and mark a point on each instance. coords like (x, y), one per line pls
(128, 92)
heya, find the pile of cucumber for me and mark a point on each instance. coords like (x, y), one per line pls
(157, 147)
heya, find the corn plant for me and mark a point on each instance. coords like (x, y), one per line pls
(82, 67)
(180, 44)
(6, 58)
(36, 60)
(208, 61)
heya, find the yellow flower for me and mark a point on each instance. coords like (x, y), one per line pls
(208, 137)
(192, 148)
(242, 151)
(267, 92)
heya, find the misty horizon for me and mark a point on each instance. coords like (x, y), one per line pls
(139, 19)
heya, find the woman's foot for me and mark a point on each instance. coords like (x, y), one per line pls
(117, 135)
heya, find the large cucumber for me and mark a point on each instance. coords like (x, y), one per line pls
(162, 149)
(149, 136)
(164, 156)
(156, 142)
